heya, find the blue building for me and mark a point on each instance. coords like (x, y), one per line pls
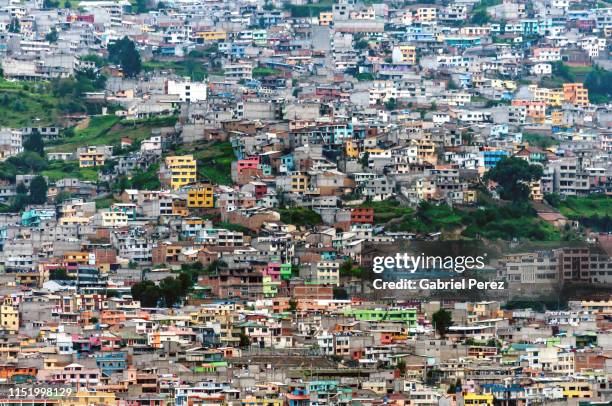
(111, 362)
(491, 158)
(287, 162)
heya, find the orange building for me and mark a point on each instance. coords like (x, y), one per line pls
(576, 93)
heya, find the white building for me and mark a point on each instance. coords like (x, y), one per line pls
(187, 91)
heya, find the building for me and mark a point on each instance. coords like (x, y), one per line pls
(179, 171)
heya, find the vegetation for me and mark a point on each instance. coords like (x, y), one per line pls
(262, 71)
(38, 190)
(442, 321)
(59, 274)
(22, 104)
(364, 76)
(109, 130)
(599, 83)
(538, 140)
(34, 142)
(171, 290)
(300, 216)
(24, 163)
(188, 67)
(513, 176)
(507, 222)
(145, 180)
(125, 54)
(309, 10)
(591, 211)
(104, 202)
(477, 11)
(387, 210)
(348, 268)
(233, 227)
(214, 161)
(57, 170)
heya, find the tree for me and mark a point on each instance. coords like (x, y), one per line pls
(142, 6)
(401, 366)
(553, 199)
(170, 289)
(361, 44)
(480, 17)
(52, 36)
(391, 104)
(21, 189)
(185, 280)
(442, 320)
(34, 143)
(245, 341)
(513, 175)
(58, 274)
(14, 26)
(125, 54)
(38, 190)
(599, 83)
(147, 293)
(561, 70)
(50, 4)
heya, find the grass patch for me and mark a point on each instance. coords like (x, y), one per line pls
(108, 130)
(596, 205)
(189, 67)
(23, 104)
(506, 222)
(309, 10)
(591, 211)
(214, 160)
(96, 133)
(233, 227)
(537, 140)
(387, 210)
(62, 169)
(300, 216)
(364, 76)
(262, 71)
(147, 180)
(580, 70)
(105, 202)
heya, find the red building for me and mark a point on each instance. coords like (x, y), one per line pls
(363, 215)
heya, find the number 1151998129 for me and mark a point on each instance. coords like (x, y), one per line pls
(39, 392)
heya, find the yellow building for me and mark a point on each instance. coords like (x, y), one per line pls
(555, 97)
(201, 196)
(426, 151)
(351, 149)
(9, 316)
(578, 389)
(181, 170)
(261, 401)
(404, 54)
(326, 18)
(92, 157)
(114, 218)
(426, 14)
(475, 399)
(299, 183)
(86, 398)
(210, 35)
(469, 196)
